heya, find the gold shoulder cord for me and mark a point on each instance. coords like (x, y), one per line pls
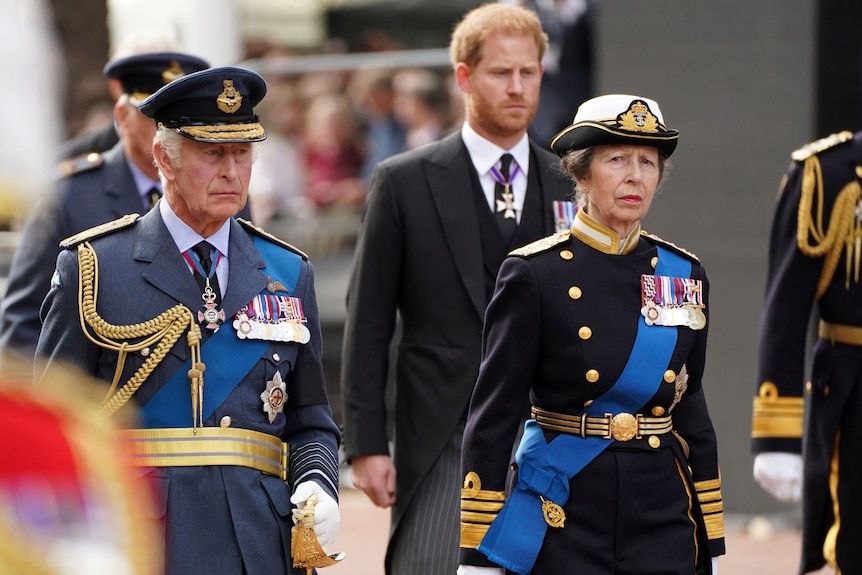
(162, 331)
(844, 228)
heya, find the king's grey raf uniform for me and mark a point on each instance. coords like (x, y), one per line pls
(226, 428)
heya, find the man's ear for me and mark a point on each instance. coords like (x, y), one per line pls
(462, 76)
(163, 162)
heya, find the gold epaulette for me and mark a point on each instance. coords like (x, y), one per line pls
(711, 506)
(268, 236)
(818, 146)
(80, 164)
(542, 245)
(671, 246)
(100, 230)
(479, 508)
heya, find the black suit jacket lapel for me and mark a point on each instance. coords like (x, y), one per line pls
(449, 176)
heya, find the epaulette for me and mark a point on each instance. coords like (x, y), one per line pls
(266, 235)
(542, 245)
(100, 230)
(671, 246)
(80, 164)
(818, 146)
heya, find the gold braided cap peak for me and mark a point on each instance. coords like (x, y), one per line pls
(671, 246)
(100, 230)
(820, 145)
(542, 245)
(258, 231)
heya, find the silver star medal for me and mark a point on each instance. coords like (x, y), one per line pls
(274, 396)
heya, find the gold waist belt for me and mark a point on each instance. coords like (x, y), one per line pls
(186, 446)
(837, 333)
(622, 426)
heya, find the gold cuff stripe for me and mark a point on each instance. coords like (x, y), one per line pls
(717, 507)
(772, 421)
(707, 485)
(714, 525)
(471, 505)
(482, 495)
(709, 496)
(483, 518)
(184, 447)
(472, 535)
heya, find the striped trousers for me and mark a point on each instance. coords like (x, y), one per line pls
(428, 538)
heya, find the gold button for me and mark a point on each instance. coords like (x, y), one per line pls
(808, 386)
(276, 357)
(145, 352)
(826, 391)
(654, 262)
(658, 411)
(585, 333)
(575, 292)
(566, 255)
(654, 441)
(588, 402)
(592, 376)
(225, 421)
(669, 376)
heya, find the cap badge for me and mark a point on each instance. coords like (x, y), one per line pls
(638, 118)
(174, 71)
(229, 100)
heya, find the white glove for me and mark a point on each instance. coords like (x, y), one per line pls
(474, 570)
(327, 517)
(715, 566)
(779, 474)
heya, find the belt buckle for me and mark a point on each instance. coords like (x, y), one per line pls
(622, 426)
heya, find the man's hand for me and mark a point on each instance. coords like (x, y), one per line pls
(327, 517)
(375, 476)
(779, 474)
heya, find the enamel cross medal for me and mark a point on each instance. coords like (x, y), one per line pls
(210, 316)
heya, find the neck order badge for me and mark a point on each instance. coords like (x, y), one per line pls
(205, 274)
(504, 198)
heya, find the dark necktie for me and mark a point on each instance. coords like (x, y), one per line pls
(153, 196)
(504, 198)
(202, 251)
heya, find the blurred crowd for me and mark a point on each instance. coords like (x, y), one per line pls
(325, 133)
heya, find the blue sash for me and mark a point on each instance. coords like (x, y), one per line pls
(228, 359)
(544, 469)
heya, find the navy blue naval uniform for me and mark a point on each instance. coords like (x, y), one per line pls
(821, 278)
(558, 333)
(218, 519)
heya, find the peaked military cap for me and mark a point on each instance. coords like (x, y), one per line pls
(143, 74)
(616, 119)
(214, 105)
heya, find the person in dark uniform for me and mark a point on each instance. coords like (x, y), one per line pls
(432, 239)
(814, 269)
(210, 327)
(600, 333)
(96, 189)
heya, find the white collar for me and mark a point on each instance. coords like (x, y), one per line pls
(186, 238)
(485, 154)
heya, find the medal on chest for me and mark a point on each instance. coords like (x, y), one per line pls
(672, 301)
(274, 396)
